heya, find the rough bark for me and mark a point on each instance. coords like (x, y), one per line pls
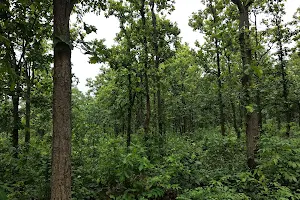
(61, 142)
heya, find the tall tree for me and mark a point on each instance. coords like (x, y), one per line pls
(61, 142)
(281, 36)
(252, 127)
(211, 27)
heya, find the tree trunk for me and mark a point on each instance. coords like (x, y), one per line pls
(61, 142)
(148, 106)
(220, 96)
(285, 89)
(16, 67)
(156, 60)
(129, 110)
(252, 129)
(16, 121)
(28, 106)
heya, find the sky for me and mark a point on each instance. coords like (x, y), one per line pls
(107, 29)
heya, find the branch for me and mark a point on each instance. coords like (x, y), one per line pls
(239, 4)
(249, 3)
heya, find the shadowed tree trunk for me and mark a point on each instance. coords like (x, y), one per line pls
(156, 60)
(61, 142)
(251, 118)
(16, 67)
(284, 80)
(147, 90)
(29, 73)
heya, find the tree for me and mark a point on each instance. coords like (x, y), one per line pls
(281, 35)
(252, 126)
(212, 26)
(61, 143)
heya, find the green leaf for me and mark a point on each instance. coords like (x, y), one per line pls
(250, 108)
(257, 71)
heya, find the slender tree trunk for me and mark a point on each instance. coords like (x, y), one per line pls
(16, 67)
(28, 106)
(16, 121)
(156, 60)
(129, 110)
(285, 89)
(147, 90)
(220, 96)
(131, 96)
(61, 142)
(252, 129)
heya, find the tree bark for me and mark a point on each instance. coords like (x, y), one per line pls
(252, 129)
(61, 142)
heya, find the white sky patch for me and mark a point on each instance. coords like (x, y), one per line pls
(109, 27)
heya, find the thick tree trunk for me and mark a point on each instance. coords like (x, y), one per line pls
(252, 129)
(61, 142)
